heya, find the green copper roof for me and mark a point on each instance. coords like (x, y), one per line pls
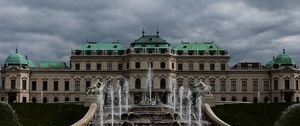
(31, 64)
(150, 41)
(16, 59)
(284, 59)
(102, 46)
(52, 65)
(198, 46)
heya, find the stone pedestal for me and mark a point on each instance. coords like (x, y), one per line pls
(89, 100)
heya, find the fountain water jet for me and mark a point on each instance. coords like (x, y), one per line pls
(199, 108)
(126, 88)
(120, 99)
(149, 81)
(111, 95)
(189, 97)
(181, 89)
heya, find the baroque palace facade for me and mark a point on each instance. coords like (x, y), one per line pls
(187, 63)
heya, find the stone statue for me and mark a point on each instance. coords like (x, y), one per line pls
(202, 89)
(97, 87)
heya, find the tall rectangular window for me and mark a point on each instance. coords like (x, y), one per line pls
(12, 84)
(212, 66)
(45, 85)
(297, 86)
(120, 66)
(127, 65)
(180, 66)
(191, 66)
(3, 83)
(77, 85)
(255, 85)
(88, 66)
(287, 84)
(233, 85)
(275, 84)
(173, 65)
(212, 85)
(33, 85)
(77, 66)
(87, 84)
(24, 84)
(55, 85)
(99, 66)
(201, 66)
(266, 85)
(67, 85)
(223, 66)
(180, 82)
(109, 66)
(223, 85)
(244, 85)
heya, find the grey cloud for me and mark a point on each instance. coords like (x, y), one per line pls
(48, 30)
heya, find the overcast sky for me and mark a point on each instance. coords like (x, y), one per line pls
(47, 30)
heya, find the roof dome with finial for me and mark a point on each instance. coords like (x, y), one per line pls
(16, 59)
(283, 59)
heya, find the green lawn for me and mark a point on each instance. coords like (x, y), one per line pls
(48, 114)
(263, 114)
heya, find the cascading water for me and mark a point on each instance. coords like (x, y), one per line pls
(181, 90)
(189, 97)
(199, 108)
(120, 100)
(100, 104)
(111, 95)
(174, 94)
(149, 81)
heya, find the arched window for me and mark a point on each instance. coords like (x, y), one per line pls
(245, 99)
(162, 65)
(44, 100)
(233, 98)
(137, 65)
(33, 100)
(162, 83)
(55, 99)
(138, 84)
(67, 99)
(255, 100)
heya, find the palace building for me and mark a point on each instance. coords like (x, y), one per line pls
(187, 63)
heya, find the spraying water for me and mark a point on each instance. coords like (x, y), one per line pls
(111, 92)
(149, 81)
(181, 89)
(100, 103)
(199, 107)
(120, 100)
(189, 96)
(126, 88)
(174, 94)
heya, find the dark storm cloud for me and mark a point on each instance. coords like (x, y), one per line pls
(252, 30)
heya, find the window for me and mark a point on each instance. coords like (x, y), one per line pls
(109, 66)
(233, 85)
(12, 84)
(275, 99)
(99, 66)
(266, 85)
(223, 67)
(3, 83)
(55, 85)
(201, 66)
(173, 65)
(127, 65)
(245, 99)
(212, 84)
(45, 85)
(191, 66)
(67, 99)
(87, 84)
(163, 83)
(233, 98)
(275, 84)
(287, 84)
(120, 66)
(33, 85)
(55, 99)
(297, 86)
(137, 65)
(67, 85)
(212, 66)
(24, 84)
(77, 66)
(33, 100)
(255, 85)
(223, 98)
(45, 100)
(223, 85)
(255, 100)
(162, 65)
(180, 82)
(77, 99)
(137, 84)
(88, 66)
(77, 85)
(180, 67)
(244, 85)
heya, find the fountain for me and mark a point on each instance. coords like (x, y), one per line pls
(147, 112)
